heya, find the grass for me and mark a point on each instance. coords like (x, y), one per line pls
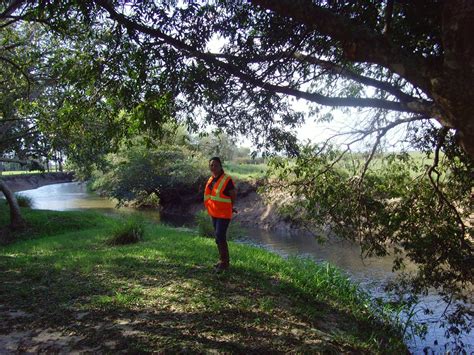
(20, 172)
(129, 231)
(161, 294)
(23, 201)
(245, 171)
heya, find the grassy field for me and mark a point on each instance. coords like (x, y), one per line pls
(20, 172)
(256, 171)
(63, 288)
(245, 171)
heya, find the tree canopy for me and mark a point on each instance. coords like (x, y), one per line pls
(413, 58)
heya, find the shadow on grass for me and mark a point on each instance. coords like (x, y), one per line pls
(169, 301)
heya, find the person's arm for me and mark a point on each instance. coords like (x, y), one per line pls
(233, 195)
(231, 192)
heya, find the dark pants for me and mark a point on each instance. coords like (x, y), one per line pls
(220, 228)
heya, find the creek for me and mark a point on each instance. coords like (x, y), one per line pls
(371, 274)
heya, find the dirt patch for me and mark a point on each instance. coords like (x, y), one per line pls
(253, 210)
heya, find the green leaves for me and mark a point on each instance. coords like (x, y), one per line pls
(138, 171)
(389, 207)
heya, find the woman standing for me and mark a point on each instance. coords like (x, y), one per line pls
(219, 199)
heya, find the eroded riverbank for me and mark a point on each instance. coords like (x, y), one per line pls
(33, 181)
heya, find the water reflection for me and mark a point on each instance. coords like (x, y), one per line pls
(346, 255)
(75, 196)
(371, 273)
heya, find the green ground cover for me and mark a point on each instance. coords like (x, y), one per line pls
(161, 294)
(240, 171)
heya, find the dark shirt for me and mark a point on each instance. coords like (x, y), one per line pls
(230, 185)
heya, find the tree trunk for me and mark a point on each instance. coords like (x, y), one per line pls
(16, 220)
(454, 91)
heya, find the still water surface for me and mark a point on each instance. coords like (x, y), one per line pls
(372, 274)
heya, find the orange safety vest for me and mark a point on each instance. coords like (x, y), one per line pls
(218, 205)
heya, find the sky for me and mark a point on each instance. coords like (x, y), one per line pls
(344, 120)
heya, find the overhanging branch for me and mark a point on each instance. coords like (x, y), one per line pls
(330, 66)
(14, 5)
(251, 79)
(359, 42)
(17, 67)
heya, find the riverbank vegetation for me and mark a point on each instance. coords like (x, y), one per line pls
(64, 280)
(418, 214)
(170, 171)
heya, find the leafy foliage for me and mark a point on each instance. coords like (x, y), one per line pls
(392, 207)
(138, 171)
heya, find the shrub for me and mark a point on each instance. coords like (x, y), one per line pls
(23, 201)
(130, 231)
(205, 228)
(204, 224)
(136, 172)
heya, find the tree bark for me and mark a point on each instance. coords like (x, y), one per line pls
(453, 90)
(16, 220)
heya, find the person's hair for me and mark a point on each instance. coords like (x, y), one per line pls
(216, 159)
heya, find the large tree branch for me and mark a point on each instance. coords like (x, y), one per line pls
(16, 221)
(333, 68)
(360, 43)
(350, 74)
(11, 8)
(28, 132)
(251, 79)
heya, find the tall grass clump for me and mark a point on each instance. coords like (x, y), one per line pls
(130, 231)
(23, 201)
(206, 230)
(204, 224)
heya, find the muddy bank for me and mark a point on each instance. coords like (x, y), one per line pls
(33, 181)
(253, 210)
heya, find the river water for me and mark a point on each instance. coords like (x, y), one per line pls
(371, 274)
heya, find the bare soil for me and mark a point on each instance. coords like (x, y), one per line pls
(28, 182)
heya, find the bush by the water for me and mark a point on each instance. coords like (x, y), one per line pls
(23, 201)
(205, 228)
(147, 176)
(130, 231)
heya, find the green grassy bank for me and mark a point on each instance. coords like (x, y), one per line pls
(245, 171)
(21, 172)
(161, 294)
